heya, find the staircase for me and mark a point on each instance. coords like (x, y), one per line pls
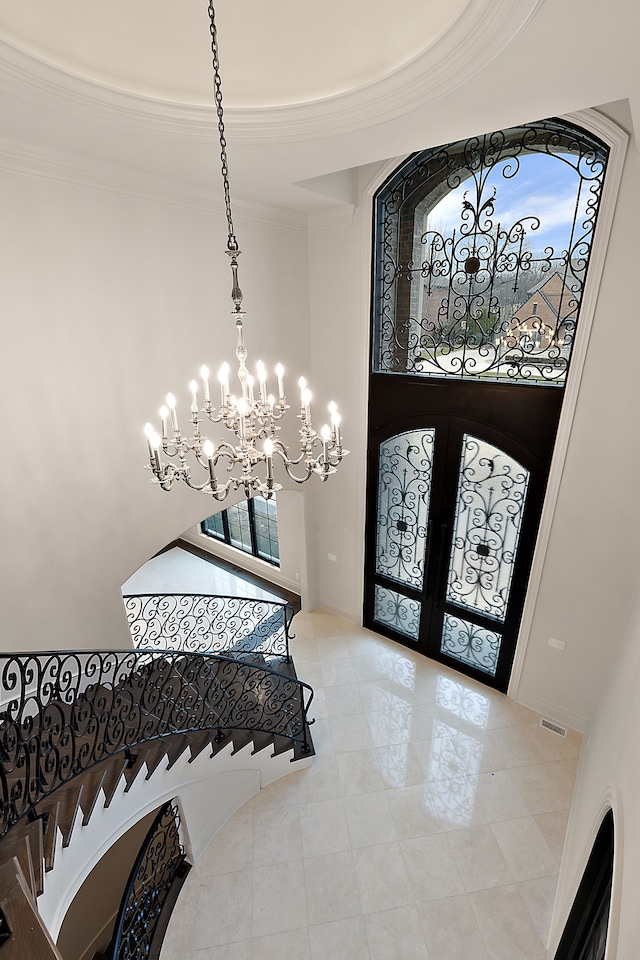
(74, 726)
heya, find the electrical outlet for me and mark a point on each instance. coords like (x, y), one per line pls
(332, 556)
(558, 644)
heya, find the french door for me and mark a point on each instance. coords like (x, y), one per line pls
(454, 506)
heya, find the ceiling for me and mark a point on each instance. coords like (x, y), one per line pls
(272, 52)
(316, 95)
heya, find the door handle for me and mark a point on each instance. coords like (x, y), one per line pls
(438, 584)
(427, 559)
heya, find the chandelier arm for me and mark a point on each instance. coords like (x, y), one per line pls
(252, 417)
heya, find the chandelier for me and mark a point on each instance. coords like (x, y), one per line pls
(246, 459)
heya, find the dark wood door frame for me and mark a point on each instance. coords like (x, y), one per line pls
(518, 418)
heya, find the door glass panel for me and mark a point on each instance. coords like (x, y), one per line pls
(492, 489)
(404, 489)
(399, 613)
(470, 644)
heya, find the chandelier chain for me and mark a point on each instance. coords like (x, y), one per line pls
(252, 415)
(232, 242)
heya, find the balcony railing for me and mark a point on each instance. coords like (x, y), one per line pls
(203, 623)
(62, 713)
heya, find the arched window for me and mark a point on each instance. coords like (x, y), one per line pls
(481, 252)
(482, 248)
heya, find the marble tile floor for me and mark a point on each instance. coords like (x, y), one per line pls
(429, 827)
(178, 571)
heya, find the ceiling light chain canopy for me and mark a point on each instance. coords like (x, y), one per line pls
(253, 416)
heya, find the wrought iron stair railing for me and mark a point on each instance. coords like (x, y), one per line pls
(208, 623)
(159, 868)
(62, 714)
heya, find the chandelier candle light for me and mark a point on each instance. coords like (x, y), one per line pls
(253, 416)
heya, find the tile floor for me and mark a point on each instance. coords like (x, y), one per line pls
(429, 827)
(178, 571)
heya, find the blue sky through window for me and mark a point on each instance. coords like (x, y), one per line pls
(544, 187)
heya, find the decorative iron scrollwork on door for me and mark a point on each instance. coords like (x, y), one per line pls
(404, 490)
(492, 492)
(475, 278)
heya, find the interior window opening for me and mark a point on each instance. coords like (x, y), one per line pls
(250, 526)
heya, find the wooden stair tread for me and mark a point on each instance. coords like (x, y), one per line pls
(91, 785)
(261, 741)
(176, 747)
(241, 738)
(35, 843)
(30, 938)
(17, 845)
(134, 765)
(199, 742)
(49, 812)
(114, 772)
(69, 805)
(156, 754)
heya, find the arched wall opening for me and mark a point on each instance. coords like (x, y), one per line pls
(88, 924)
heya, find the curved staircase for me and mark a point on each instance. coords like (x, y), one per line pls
(75, 725)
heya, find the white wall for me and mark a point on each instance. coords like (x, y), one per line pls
(292, 570)
(594, 549)
(108, 301)
(609, 778)
(339, 294)
(594, 552)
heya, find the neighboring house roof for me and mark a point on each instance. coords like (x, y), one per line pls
(555, 300)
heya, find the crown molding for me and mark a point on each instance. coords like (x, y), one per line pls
(335, 217)
(29, 161)
(476, 37)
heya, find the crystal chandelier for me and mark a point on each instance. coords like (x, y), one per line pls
(247, 458)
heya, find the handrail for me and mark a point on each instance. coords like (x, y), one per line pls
(158, 864)
(62, 712)
(209, 623)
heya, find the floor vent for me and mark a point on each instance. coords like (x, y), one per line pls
(556, 728)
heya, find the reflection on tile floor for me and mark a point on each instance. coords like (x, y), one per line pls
(429, 827)
(178, 571)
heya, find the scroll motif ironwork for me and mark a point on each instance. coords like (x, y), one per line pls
(404, 488)
(157, 866)
(393, 610)
(63, 712)
(470, 644)
(480, 295)
(199, 623)
(492, 490)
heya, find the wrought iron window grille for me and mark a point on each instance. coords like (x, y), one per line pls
(486, 298)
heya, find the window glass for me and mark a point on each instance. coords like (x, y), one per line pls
(213, 526)
(266, 529)
(239, 532)
(482, 248)
(250, 526)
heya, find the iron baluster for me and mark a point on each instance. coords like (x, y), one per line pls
(115, 700)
